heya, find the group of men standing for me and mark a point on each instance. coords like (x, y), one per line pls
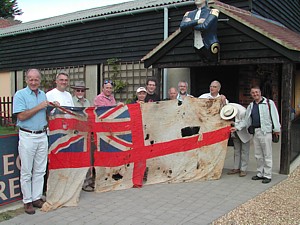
(30, 104)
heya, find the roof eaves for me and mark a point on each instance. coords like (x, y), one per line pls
(161, 45)
(255, 23)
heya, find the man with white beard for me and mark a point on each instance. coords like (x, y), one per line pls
(79, 94)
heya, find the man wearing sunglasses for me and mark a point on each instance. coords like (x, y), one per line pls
(106, 98)
(79, 94)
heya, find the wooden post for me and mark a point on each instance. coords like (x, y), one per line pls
(286, 93)
(157, 75)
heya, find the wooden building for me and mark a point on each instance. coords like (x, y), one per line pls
(259, 45)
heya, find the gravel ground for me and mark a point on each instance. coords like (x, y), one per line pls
(278, 205)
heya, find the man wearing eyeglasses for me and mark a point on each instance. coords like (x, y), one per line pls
(106, 98)
(59, 95)
(79, 94)
(214, 90)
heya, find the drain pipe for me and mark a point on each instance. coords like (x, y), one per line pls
(166, 34)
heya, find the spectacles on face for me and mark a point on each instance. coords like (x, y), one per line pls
(109, 82)
(213, 86)
(80, 90)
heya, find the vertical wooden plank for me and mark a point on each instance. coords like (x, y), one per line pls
(286, 87)
(157, 75)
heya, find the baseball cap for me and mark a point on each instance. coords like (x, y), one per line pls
(140, 89)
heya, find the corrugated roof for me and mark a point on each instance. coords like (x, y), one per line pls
(272, 30)
(90, 14)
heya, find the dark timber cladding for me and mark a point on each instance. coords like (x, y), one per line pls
(127, 38)
(283, 11)
(88, 43)
(235, 45)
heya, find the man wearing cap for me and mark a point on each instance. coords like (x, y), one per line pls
(141, 93)
(29, 104)
(241, 138)
(79, 94)
(80, 101)
(59, 95)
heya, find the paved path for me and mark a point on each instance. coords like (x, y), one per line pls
(184, 203)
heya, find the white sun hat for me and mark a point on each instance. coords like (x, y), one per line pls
(228, 112)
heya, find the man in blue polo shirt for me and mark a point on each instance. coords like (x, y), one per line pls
(29, 104)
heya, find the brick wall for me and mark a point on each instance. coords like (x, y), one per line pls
(264, 75)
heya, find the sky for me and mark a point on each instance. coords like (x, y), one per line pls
(40, 9)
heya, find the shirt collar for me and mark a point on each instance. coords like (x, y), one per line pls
(31, 91)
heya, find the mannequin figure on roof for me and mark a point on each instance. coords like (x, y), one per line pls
(203, 21)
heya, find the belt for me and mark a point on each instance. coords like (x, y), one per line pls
(33, 131)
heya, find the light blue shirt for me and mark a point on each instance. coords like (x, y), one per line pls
(26, 99)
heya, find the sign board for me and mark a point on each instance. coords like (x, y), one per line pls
(10, 190)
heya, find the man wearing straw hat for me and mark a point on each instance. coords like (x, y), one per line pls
(241, 138)
(79, 94)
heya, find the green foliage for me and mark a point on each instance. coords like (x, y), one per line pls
(119, 85)
(8, 130)
(9, 9)
(4, 216)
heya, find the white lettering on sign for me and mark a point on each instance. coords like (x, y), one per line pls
(2, 189)
(13, 187)
(6, 163)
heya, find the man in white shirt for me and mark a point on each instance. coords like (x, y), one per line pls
(59, 95)
(214, 90)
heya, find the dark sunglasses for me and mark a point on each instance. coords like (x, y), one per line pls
(80, 90)
(109, 82)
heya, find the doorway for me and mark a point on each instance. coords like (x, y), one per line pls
(228, 76)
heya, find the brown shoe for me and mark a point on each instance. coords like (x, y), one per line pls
(243, 173)
(88, 189)
(233, 171)
(38, 203)
(28, 207)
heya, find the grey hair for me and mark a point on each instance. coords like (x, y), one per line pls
(217, 83)
(62, 72)
(31, 70)
(186, 83)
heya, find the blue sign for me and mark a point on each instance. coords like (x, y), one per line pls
(10, 189)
